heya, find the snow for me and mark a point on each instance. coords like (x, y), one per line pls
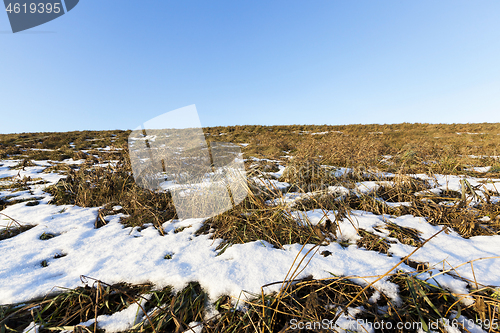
(122, 320)
(447, 251)
(278, 173)
(194, 327)
(272, 184)
(463, 321)
(339, 190)
(348, 323)
(150, 138)
(371, 186)
(109, 148)
(114, 253)
(111, 164)
(289, 198)
(481, 169)
(32, 328)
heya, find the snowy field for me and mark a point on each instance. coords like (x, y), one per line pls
(63, 245)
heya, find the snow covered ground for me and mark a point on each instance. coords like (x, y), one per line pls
(114, 253)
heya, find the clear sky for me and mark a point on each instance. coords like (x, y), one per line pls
(116, 64)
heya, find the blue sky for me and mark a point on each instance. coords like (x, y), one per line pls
(117, 64)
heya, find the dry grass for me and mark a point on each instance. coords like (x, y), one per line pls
(254, 220)
(112, 186)
(414, 148)
(306, 301)
(12, 227)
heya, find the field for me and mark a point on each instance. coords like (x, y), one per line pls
(356, 228)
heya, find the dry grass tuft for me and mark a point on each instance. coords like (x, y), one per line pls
(113, 186)
(306, 174)
(13, 227)
(254, 220)
(372, 242)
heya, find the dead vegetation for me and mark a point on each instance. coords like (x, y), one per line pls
(110, 186)
(254, 220)
(306, 301)
(12, 227)
(403, 149)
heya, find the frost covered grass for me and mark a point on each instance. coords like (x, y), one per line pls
(392, 223)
